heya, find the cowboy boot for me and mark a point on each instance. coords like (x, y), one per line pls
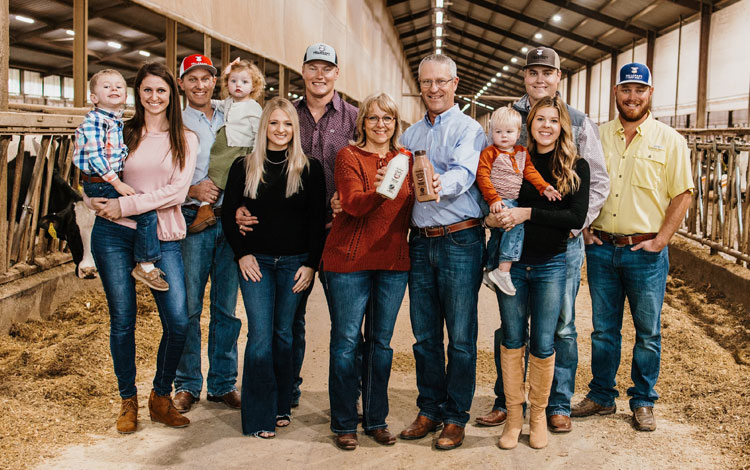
(541, 372)
(511, 364)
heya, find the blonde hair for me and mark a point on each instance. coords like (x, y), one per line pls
(505, 116)
(296, 162)
(95, 78)
(387, 105)
(565, 153)
(256, 77)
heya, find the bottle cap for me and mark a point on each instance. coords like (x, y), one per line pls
(404, 151)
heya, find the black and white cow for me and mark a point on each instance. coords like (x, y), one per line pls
(67, 219)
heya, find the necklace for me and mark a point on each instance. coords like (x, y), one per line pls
(286, 155)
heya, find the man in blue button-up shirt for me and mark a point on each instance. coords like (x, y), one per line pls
(446, 248)
(205, 254)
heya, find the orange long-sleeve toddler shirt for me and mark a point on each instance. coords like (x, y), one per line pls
(500, 174)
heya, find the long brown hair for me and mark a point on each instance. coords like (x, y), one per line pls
(134, 127)
(296, 163)
(565, 153)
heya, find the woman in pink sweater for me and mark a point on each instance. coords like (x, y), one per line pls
(160, 164)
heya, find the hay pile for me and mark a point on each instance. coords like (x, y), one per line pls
(57, 384)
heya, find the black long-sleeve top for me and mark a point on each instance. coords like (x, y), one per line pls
(286, 226)
(546, 232)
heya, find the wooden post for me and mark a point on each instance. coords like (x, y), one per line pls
(650, 44)
(569, 89)
(207, 46)
(171, 45)
(705, 36)
(4, 62)
(473, 109)
(262, 67)
(80, 52)
(586, 96)
(283, 82)
(225, 56)
(4, 141)
(612, 80)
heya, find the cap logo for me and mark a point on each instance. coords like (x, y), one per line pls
(539, 52)
(633, 69)
(198, 59)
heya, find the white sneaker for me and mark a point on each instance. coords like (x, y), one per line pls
(487, 281)
(503, 282)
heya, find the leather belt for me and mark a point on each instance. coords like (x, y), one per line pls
(195, 207)
(96, 179)
(443, 230)
(622, 240)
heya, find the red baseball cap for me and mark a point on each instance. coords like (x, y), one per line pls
(196, 61)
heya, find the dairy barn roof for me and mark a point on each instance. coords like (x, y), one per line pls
(487, 37)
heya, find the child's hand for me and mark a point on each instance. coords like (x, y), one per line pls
(123, 188)
(552, 194)
(496, 207)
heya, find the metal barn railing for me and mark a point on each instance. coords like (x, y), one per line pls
(24, 250)
(719, 214)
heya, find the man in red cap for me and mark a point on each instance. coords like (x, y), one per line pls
(206, 253)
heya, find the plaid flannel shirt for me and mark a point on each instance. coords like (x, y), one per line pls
(100, 149)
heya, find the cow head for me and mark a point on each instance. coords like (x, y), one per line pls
(73, 224)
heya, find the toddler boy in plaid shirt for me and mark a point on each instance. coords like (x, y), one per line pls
(100, 152)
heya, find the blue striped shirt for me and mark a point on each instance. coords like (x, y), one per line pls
(99, 147)
(453, 144)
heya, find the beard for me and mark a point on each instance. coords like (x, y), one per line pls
(633, 115)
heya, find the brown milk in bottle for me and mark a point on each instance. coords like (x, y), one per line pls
(422, 174)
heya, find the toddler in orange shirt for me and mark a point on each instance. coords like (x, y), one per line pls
(502, 168)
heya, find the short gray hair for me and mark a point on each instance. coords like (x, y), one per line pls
(440, 59)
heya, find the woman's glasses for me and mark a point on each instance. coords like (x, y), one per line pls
(373, 120)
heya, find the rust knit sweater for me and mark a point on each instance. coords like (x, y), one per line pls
(370, 233)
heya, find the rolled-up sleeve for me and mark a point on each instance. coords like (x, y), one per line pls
(590, 148)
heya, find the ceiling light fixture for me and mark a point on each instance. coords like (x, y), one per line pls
(145, 53)
(25, 19)
(439, 17)
(513, 59)
(438, 51)
(557, 18)
(438, 43)
(505, 67)
(70, 32)
(524, 49)
(439, 31)
(114, 45)
(538, 36)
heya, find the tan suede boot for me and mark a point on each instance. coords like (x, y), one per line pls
(541, 372)
(127, 422)
(162, 410)
(511, 363)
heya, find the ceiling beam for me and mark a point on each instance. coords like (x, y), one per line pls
(414, 32)
(600, 17)
(509, 73)
(515, 37)
(542, 25)
(52, 25)
(411, 17)
(391, 3)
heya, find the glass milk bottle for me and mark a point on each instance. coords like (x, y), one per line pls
(395, 175)
(422, 174)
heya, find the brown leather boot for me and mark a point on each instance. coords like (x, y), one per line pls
(127, 422)
(541, 372)
(162, 410)
(204, 218)
(511, 362)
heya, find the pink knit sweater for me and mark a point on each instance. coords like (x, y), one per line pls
(160, 186)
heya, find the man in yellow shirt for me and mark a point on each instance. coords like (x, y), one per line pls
(650, 190)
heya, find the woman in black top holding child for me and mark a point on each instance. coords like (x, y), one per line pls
(277, 259)
(539, 276)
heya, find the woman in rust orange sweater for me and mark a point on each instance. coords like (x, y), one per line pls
(366, 261)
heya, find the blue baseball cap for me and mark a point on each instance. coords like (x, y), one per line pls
(634, 73)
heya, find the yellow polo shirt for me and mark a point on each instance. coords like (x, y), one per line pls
(644, 177)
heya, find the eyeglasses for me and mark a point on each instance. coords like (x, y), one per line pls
(441, 83)
(373, 120)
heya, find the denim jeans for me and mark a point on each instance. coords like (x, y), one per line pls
(566, 359)
(147, 248)
(444, 281)
(112, 248)
(615, 273)
(207, 253)
(350, 295)
(539, 293)
(267, 369)
(566, 344)
(504, 246)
